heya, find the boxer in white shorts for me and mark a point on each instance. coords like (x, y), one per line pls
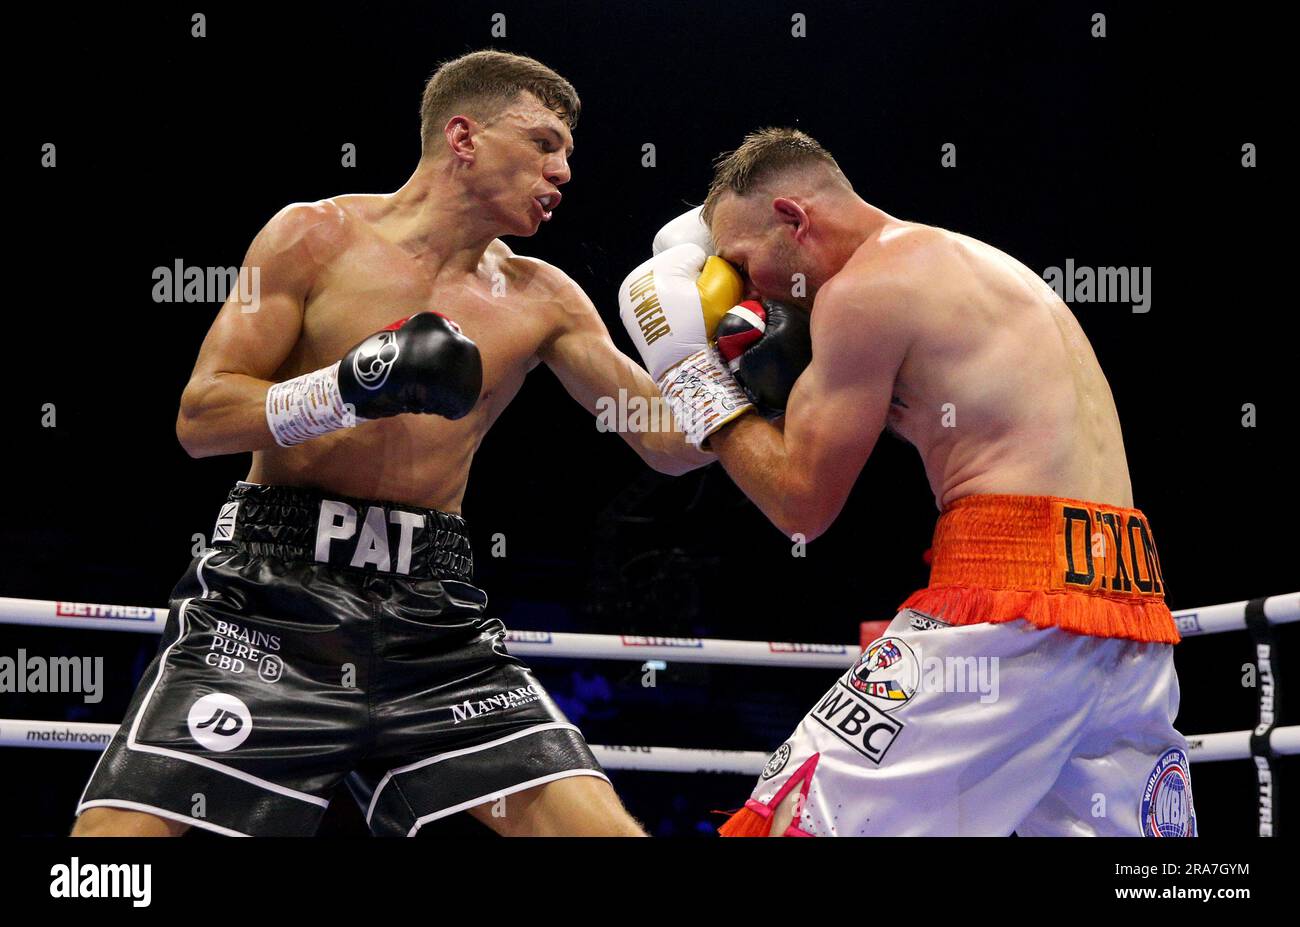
(942, 728)
(1030, 688)
(965, 743)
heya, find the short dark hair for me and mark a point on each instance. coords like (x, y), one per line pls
(761, 155)
(483, 83)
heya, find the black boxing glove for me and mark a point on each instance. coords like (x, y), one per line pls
(421, 364)
(766, 345)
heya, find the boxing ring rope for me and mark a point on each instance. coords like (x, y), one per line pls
(85, 735)
(1192, 622)
(1258, 616)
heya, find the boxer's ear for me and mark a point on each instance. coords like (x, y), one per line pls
(459, 132)
(792, 215)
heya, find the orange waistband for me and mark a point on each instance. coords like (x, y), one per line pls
(1080, 566)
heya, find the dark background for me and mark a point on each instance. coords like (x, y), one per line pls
(1123, 150)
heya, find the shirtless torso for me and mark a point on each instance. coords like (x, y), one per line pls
(999, 389)
(335, 271)
(946, 341)
(364, 281)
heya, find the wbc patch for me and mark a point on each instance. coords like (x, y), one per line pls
(887, 674)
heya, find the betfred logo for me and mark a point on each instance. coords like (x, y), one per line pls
(528, 637)
(633, 640)
(783, 647)
(82, 610)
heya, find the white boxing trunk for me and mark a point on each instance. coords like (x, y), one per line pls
(987, 729)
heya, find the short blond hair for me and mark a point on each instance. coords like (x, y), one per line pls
(760, 156)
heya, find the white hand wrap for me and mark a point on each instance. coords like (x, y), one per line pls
(703, 395)
(307, 407)
(669, 305)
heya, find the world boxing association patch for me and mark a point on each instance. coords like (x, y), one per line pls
(1167, 809)
(887, 674)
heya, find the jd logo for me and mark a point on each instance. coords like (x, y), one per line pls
(220, 722)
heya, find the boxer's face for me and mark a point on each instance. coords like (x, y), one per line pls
(749, 235)
(521, 160)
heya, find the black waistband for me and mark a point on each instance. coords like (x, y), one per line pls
(295, 524)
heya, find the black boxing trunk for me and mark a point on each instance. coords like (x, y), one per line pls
(321, 638)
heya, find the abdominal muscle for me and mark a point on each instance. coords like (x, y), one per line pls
(408, 459)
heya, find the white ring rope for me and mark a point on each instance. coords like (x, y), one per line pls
(82, 735)
(1209, 619)
(78, 735)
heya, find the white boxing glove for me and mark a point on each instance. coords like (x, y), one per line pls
(670, 305)
(688, 227)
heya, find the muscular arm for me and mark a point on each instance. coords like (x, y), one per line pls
(584, 357)
(223, 406)
(801, 475)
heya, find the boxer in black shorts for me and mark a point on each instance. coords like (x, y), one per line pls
(285, 667)
(325, 637)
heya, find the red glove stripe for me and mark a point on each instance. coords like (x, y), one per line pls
(740, 328)
(394, 326)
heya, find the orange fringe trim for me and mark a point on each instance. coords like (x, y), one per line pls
(1078, 612)
(746, 823)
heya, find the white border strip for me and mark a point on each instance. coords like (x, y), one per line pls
(464, 751)
(132, 744)
(160, 812)
(517, 787)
